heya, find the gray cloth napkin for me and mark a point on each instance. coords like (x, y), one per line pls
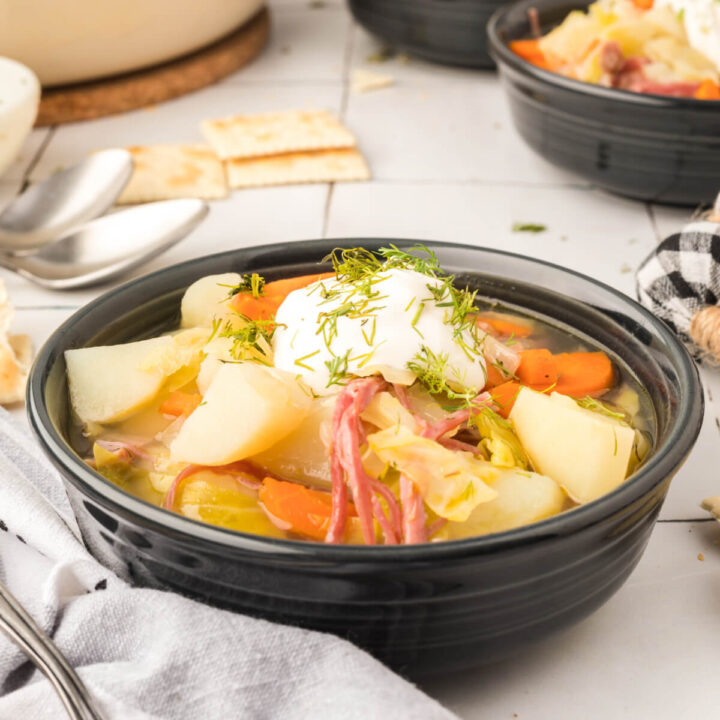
(146, 654)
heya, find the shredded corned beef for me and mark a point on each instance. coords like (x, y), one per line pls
(404, 521)
(629, 74)
(413, 513)
(347, 469)
(123, 449)
(460, 446)
(436, 430)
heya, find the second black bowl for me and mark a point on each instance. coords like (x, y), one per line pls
(649, 147)
(420, 608)
(451, 32)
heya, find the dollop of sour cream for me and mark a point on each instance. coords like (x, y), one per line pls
(333, 328)
(701, 19)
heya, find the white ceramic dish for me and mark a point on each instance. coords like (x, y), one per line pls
(19, 98)
(68, 41)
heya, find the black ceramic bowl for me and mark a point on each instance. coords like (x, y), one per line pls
(420, 608)
(648, 147)
(451, 32)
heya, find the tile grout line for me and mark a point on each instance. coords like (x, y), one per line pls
(480, 182)
(21, 308)
(687, 520)
(37, 157)
(653, 221)
(344, 100)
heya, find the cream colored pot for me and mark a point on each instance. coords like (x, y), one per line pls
(66, 41)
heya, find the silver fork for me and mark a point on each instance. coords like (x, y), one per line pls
(17, 624)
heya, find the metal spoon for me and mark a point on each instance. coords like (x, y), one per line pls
(108, 246)
(19, 626)
(67, 199)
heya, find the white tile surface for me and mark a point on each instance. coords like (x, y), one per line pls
(8, 191)
(456, 130)
(375, 55)
(649, 653)
(304, 46)
(700, 476)
(29, 151)
(448, 165)
(39, 324)
(587, 231)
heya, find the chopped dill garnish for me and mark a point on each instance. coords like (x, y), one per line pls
(216, 323)
(338, 369)
(418, 313)
(355, 264)
(367, 356)
(252, 340)
(300, 362)
(249, 283)
(528, 227)
(431, 370)
(590, 403)
(369, 340)
(504, 372)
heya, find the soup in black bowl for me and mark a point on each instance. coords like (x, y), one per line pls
(649, 146)
(475, 595)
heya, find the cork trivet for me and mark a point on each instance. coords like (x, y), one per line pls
(87, 101)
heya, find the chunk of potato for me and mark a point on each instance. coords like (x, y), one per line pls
(206, 299)
(247, 408)
(110, 382)
(522, 498)
(586, 452)
(302, 455)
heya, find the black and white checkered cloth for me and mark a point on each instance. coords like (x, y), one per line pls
(682, 276)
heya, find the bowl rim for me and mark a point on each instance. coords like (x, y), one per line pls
(500, 52)
(663, 463)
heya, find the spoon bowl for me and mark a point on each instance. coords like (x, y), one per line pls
(69, 198)
(110, 245)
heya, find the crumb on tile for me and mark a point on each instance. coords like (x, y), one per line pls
(380, 56)
(701, 557)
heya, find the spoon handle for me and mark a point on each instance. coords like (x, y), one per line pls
(24, 631)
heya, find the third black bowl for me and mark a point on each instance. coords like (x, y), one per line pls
(445, 31)
(649, 147)
(421, 608)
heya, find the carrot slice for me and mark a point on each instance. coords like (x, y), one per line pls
(643, 4)
(265, 306)
(306, 511)
(495, 377)
(504, 396)
(505, 327)
(180, 403)
(538, 368)
(530, 50)
(708, 90)
(583, 373)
